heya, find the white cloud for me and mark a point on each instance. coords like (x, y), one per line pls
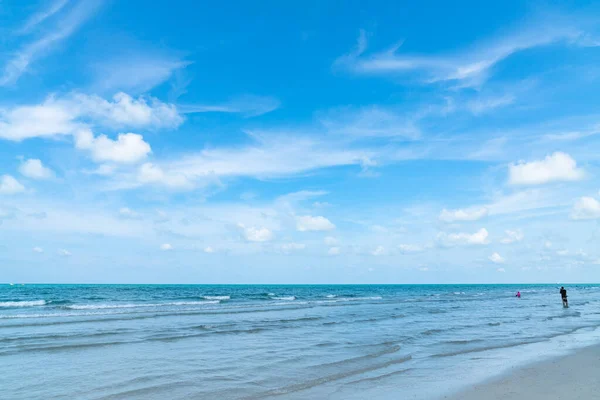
(581, 253)
(556, 167)
(38, 250)
(149, 173)
(126, 212)
(586, 208)
(9, 185)
(501, 270)
(253, 234)
(103, 170)
(333, 251)
(512, 236)
(71, 113)
(34, 169)
(166, 247)
(129, 148)
(125, 110)
(466, 68)
(478, 238)
(562, 253)
(496, 258)
(547, 244)
(308, 223)
(290, 247)
(209, 250)
(470, 214)
(45, 120)
(410, 248)
(330, 241)
(248, 106)
(35, 50)
(64, 253)
(379, 251)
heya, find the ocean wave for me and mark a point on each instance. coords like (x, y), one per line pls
(487, 348)
(296, 387)
(32, 303)
(461, 342)
(138, 305)
(436, 311)
(286, 298)
(429, 332)
(331, 296)
(216, 297)
(358, 298)
(575, 314)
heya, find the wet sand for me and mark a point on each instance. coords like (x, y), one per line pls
(572, 377)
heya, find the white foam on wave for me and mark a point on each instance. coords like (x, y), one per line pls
(32, 303)
(286, 298)
(138, 305)
(360, 298)
(331, 296)
(216, 297)
(288, 303)
(345, 299)
(55, 315)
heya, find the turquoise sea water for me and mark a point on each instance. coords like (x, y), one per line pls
(288, 342)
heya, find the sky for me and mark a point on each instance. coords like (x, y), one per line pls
(299, 142)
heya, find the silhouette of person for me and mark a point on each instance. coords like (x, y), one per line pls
(563, 294)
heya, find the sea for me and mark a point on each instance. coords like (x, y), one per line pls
(279, 341)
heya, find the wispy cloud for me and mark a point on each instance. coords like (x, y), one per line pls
(469, 67)
(135, 73)
(247, 105)
(482, 105)
(373, 121)
(271, 157)
(42, 16)
(37, 49)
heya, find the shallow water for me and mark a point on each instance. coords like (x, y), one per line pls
(254, 342)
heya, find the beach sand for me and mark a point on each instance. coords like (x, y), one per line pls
(572, 377)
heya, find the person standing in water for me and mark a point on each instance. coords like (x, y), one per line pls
(518, 295)
(563, 294)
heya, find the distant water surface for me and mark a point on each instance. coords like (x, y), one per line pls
(289, 342)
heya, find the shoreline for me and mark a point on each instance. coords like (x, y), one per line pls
(575, 376)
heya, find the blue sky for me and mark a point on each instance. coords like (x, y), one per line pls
(299, 142)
